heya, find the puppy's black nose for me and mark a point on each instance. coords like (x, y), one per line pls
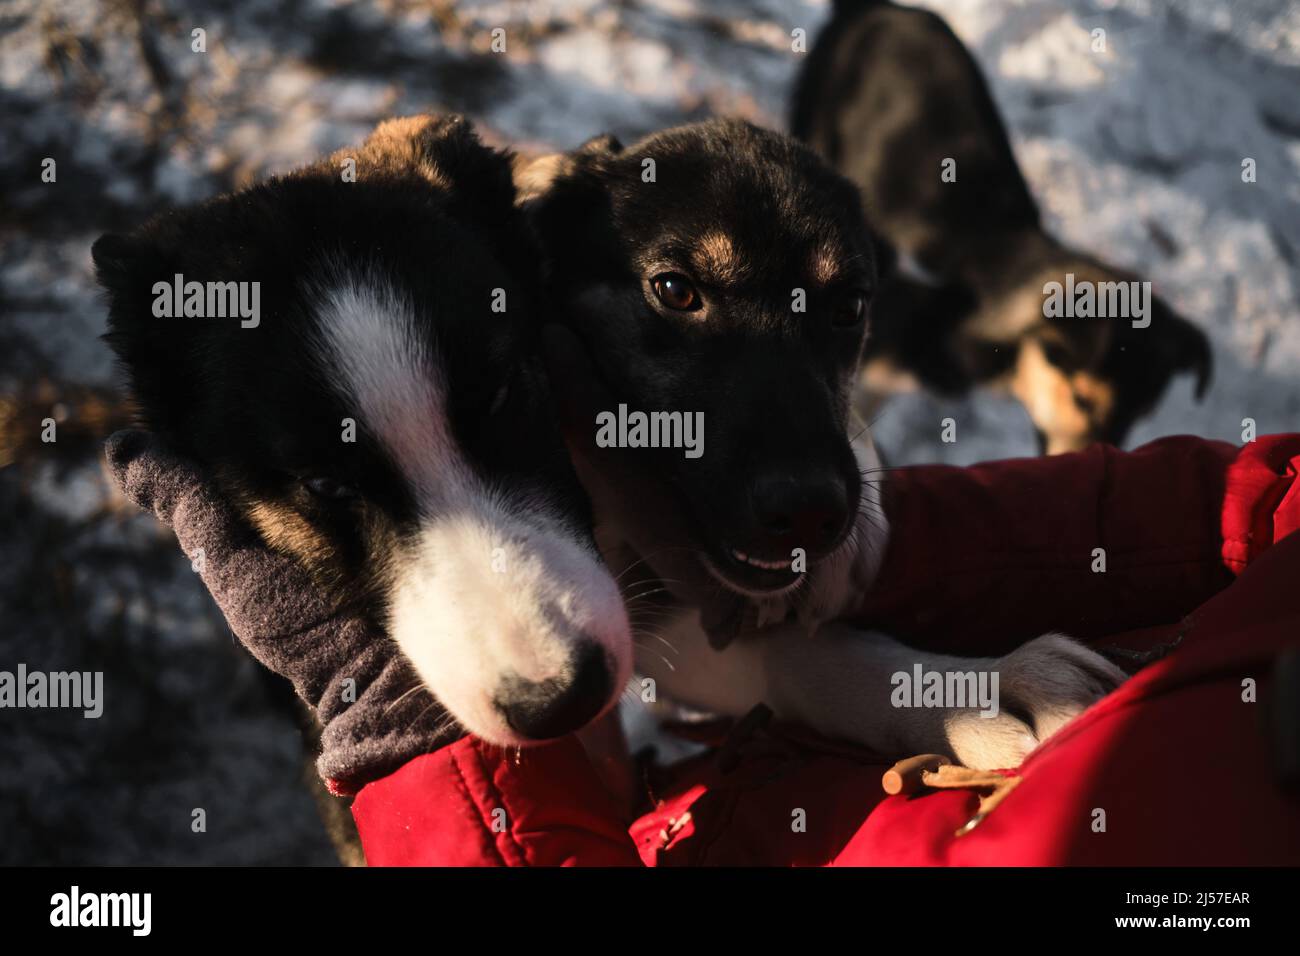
(808, 511)
(541, 710)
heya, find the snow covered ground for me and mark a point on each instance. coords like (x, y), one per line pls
(1134, 154)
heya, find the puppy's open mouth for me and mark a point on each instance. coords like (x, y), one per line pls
(749, 574)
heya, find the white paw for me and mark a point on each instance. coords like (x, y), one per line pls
(1043, 685)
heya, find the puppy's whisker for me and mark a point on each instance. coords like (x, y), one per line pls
(872, 518)
(654, 610)
(866, 426)
(644, 632)
(643, 627)
(445, 725)
(658, 637)
(418, 685)
(645, 581)
(667, 662)
(655, 621)
(666, 643)
(420, 715)
(647, 609)
(645, 594)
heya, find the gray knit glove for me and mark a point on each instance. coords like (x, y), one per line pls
(374, 711)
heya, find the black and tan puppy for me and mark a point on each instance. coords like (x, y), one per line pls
(722, 274)
(892, 99)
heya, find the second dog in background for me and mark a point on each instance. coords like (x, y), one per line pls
(892, 99)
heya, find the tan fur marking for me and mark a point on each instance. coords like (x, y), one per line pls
(396, 143)
(1045, 393)
(1048, 396)
(715, 257)
(824, 264)
(533, 175)
(286, 530)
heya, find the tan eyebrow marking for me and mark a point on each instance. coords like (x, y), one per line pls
(824, 263)
(715, 257)
(286, 530)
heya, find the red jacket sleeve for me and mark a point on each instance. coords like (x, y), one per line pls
(471, 804)
(981, 559)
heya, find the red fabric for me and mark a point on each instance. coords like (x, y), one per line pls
(980, 559)
(471, 804)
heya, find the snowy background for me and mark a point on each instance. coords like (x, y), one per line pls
(1134, 154)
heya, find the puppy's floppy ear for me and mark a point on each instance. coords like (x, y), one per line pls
(572, 214)
(1182, 345)
(127, 267)
(149, 349)
(606, 144)
(534, 175)
(473, 180)
(121, 261)
(447, 153)
(477, 171)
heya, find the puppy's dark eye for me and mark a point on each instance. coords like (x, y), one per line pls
(329, 489)
(851, 311)
(676, 291)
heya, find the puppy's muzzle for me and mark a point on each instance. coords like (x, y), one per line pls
(808, 509)
(542, 710)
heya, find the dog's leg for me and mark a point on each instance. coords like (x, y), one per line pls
(987, 713)
(856, 685)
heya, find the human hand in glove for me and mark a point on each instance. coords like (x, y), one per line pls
(374, 711)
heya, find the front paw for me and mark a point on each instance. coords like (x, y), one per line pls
(1043, 685)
